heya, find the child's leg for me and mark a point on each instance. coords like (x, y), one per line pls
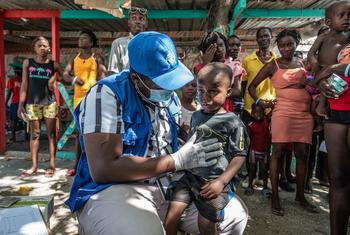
(251, 173)
(321, 109)
(51, 134)
(206, 227)
(173, 216)
(278, 150)
(338, 146)
(34, 146)
(50, 114)
(263, 166)
(302, 152)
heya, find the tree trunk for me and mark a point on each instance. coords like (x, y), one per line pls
(218, 18)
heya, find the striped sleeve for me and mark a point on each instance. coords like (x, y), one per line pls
(101, 112)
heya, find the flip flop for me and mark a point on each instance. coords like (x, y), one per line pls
(308, 188)
(249, 191)
(277, 212)
(28, 173)
(266, 192)
(49, 172)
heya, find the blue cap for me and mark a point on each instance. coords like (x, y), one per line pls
(153, 55)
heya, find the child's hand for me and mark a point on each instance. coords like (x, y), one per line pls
(51, 83)
(79, 82)
(20, 110)
(208, 55)
(321, 111)
(212, 189)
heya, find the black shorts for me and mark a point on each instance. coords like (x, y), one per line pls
(337, 116)
(188, 189)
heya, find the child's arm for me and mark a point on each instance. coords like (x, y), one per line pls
(9, 91)
(56, 77)
(24, 89)
(239, 142)
(101, 68)
(213, 188)
(236, 89)
(312, 55)
(68, 74)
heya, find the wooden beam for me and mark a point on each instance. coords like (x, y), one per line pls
(282, 13)
(75, 34)
(30, 14)
(2, 90)
(16, 39)
(152, 14)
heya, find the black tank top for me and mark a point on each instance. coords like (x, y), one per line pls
(38, 80)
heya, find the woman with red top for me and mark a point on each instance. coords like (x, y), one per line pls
(291, 121)
(216, 49)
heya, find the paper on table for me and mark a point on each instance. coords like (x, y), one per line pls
(25, 220)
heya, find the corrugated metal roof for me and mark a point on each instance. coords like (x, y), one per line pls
(120, 25)
(296, 4)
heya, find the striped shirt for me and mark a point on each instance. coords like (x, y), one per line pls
(101, 112)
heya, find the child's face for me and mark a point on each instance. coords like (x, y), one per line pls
(234, 47)
(340, 19)
(190, 90)
(213, 91)
(287, 46)
(84, 41)
(258, 112)
(42, 48)
(220, 53)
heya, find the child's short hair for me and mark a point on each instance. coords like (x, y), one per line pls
(215, 68)
(329, 10)
(289, 32)
(91, 35)
(211, 38)
(263, 28)
(35, 40)
(234, 36)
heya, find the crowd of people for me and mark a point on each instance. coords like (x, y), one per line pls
(163, 144)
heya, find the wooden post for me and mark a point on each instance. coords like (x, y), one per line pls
(2, 89)
(55, 35)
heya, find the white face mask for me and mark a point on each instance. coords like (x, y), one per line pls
(157, 96)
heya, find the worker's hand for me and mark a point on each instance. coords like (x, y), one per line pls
(201, 154)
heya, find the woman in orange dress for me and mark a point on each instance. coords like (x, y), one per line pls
(291, 118)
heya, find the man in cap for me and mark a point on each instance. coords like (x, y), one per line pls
(118, 57)
(128, 126)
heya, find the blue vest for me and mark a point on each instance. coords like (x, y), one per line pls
(137, 130)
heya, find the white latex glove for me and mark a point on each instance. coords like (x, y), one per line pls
(201, 154)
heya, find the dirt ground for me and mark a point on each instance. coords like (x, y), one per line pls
(261, 221)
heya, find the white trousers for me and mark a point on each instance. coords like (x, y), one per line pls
(134, 209)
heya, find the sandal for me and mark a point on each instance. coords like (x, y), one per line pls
(284, 185)
(29, 172)
(49, 172)
(308, 188)
(277, 212)
(266, 192)
(249, 191)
